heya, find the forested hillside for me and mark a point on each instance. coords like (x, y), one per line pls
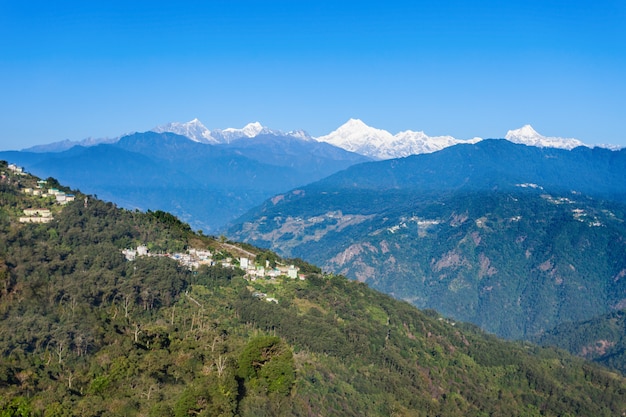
(601, 339)
(514, 239)
(86, 332)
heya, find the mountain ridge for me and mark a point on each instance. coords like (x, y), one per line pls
(354, 136)
(466, 231)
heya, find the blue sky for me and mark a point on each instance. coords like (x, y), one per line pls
(77, 69)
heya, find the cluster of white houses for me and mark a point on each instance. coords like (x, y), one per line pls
(254, 271)
(194, 258)
(40, 215)
(36, 216)
(16, 169)
(60, 196)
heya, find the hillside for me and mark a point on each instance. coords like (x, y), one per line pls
(601, 339)
(512, 238)
(85, 331)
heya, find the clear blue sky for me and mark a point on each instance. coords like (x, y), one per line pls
(75, 69)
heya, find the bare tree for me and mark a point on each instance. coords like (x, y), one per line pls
(60, 350)
(220, 365)
(137, 331)
(127, 304)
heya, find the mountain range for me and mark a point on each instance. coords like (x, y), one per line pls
(516, 239)
(210, 177)
(207, 185)
(354, 136)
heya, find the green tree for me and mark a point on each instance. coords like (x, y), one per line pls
(266, 363)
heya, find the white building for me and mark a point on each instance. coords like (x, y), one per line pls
(244, 263)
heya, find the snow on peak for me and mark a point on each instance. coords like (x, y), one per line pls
(193, 129)
(525, 131)
(526, 135)
(250, 130)
(356, 136)
(197, 132)
(300, 134)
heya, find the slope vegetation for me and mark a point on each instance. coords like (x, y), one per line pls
(601, 339)
(84, 331)
(512, 238)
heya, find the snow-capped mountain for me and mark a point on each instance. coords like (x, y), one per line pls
(194, 130)
(358, 137)
(354, 136)
(250, 130)
(197, 132)
(526, 135)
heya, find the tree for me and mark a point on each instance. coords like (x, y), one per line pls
(266, 363)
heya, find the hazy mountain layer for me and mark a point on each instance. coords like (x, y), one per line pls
(206, 185)
(513, 238)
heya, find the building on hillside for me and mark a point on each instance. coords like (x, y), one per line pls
(36, 216)
(16, 169)
(201, 255)
(38, 212)
(63, 198)
(35, 219)
(292, 272)
(272, 273)
(244, 263)
(130, 254)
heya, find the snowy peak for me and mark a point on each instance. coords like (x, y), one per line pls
(300, 134)
(526, 135)
(524, 132)
(250, 130)
(356, 130)
(356, 136)
(197, 132)
(194, 130)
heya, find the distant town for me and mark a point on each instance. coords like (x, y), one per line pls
(194, 258)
